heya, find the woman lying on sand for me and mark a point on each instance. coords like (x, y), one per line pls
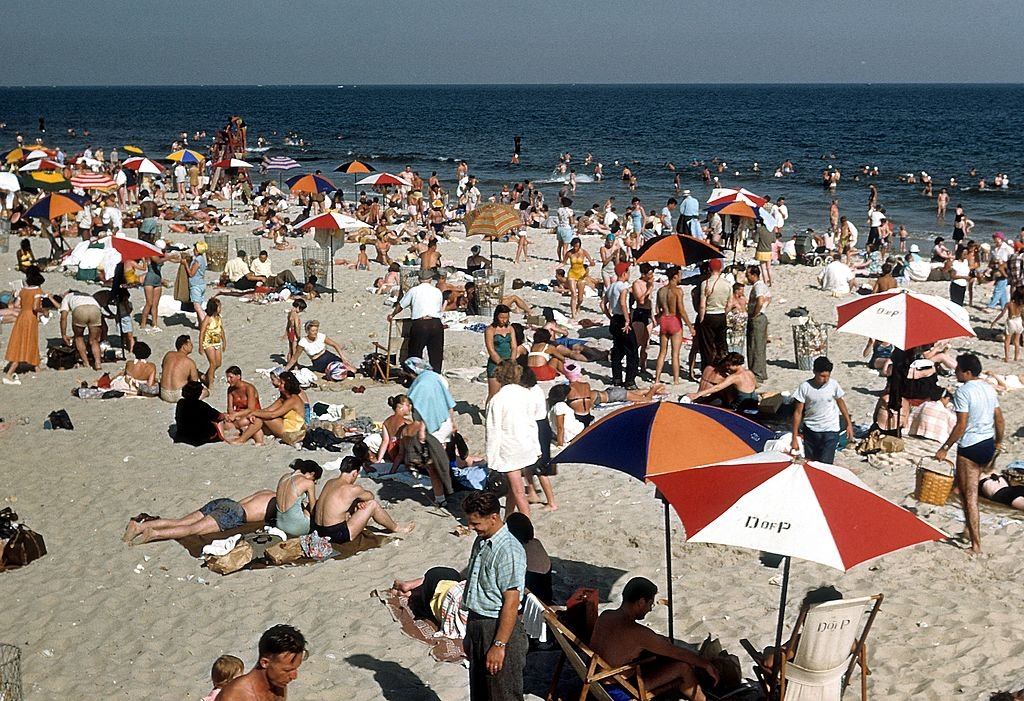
(213, 517)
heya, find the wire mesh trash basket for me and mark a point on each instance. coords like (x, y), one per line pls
(810, 340)
(315, 263)
(252, 245)
(409, 277)
(10, 673)
(490, 288)
(216, 252)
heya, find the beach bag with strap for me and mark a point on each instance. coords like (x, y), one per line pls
(235, 560)
(61, 358)
(25, 546)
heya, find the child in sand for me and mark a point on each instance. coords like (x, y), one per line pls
(225, 668)
(293, 325)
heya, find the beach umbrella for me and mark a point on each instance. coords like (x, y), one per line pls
(492, 221)
(134, 249)
(93, 181)
(741, 203)
(231, 163)
(143, 165)
(9, 182)
(335, 222)
(355, 168)
(646, 440)
(186, 156)
(56, 205)
(905, 319)
(677, 249)
(40, 164)
(310, 184)
(47, 181)
(135, 150)
(280, 164)
(15, 155)
(384, 179)
(39, 152)
(779, 504)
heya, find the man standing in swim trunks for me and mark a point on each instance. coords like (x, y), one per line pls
(978, 434)
(282, 650)
(642, 289)
(344, 508)
(671, 315)
(177, 369)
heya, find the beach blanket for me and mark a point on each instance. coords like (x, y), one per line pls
(195, 544)
(441, 649)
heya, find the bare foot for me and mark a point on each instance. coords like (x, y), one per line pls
(551, 507)
(148, 535)
(406, 529)
(132, 531)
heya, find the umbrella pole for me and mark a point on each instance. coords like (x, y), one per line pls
(668, 572)
(332, 269)
(782, 616)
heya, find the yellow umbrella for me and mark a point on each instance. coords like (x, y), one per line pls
(133, 149)
(15, 155)
(186, 156)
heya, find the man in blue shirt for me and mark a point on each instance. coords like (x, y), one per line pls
(689, 214)
(495, 641)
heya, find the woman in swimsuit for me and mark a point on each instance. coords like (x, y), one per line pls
(611, 253)
(547, 359)
(582, 399)
(292, 513)
(500, 343)
(577, 259)
(995, 487)
(285, 418)
(152, 287)
(738, 388)
(140, 374)
(396, 427)
(1014, 324)
(293, 325)
(213, 341)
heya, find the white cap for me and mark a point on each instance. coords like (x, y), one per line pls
(914, 248)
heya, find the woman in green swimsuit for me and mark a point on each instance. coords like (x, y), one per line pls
(292, 514)
(501, 344)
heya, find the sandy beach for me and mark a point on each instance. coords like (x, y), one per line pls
(98, 619)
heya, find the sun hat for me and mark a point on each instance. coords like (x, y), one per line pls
(426, 275)
(201, 247)
(686, 192)
(416, 365)
(914, 248)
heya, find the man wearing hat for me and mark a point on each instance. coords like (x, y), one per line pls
(424, 302)
(615, 305)
(689, 212)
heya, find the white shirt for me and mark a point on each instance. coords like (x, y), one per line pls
(876, 218)
(782, 213)
(424, 300)
(315, 347)
(821, 412)
(1002, 252)
(259, 267)
(978, 400)
(236, 269)
(571, 426)
(836, 277)
(180, 173)
(73, 301)
(963, 269)
(512, 438)
(113, 218)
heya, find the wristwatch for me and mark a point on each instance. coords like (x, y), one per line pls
(498, 643)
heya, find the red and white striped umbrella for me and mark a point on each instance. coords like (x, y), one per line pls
(334, 221)
(231, 163)
(143, 165)
(40, 164)
(384, 179)
(134, 249)
(93, 181)
(904, 319)
(774, 503)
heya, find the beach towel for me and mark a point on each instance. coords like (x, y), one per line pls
(431, 399)
(425, 631)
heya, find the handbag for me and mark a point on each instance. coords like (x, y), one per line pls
(181, 293)
(235, 560)
(24, 547)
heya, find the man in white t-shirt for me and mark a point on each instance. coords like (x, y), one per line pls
(876, 218)
(818, 404)
(180, 179)
(426, 332)
(111, 216)
(978, 434)
(837, 278)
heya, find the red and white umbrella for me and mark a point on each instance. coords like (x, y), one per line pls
(38, 153)
(143, 165)
(134, 249)
(231, 163)
(904, 319)
(40, 164)
(741, 203)
(335, 221)
(93, 181)
(384, 179)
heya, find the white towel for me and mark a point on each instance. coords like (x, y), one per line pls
(533, 618)
(223, 546)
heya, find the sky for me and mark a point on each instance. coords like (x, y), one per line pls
(249, 42)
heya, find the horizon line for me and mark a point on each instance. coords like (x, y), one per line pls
(510, 85)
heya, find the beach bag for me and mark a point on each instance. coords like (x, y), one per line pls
(730, 673)
(877, 442)
(285, 552)
(239, 557)
(181, 285)
(24, 546)
(61, 358)
(60, 419)
(260, 542)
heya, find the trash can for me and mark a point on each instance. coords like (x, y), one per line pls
(410, 277)
(810, 340)
(216, 252)
(10, 673)
(490, 288)
(5, 236)
(252, 245)
(316, 263)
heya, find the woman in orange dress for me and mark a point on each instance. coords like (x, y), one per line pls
(23, 346)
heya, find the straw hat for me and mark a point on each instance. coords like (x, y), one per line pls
(201, 247)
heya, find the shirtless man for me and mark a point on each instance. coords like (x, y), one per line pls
(430, 259)
(621, 640)
(671, 316)
(241, 395)
(282, 650)
(177, 369)
(344, 509)
(641, 291)
(215, 516)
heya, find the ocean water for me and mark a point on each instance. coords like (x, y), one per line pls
(942, 129)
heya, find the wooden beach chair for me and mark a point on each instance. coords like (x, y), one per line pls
(817, 663)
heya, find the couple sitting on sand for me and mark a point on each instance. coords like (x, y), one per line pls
(340, 514)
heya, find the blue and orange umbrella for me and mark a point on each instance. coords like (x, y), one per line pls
(310, 183)
(659, 438)
(56, 205)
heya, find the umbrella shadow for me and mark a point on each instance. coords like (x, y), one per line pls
(784, 364)
(395, 681)
(570, 575)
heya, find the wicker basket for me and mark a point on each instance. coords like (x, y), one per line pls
(934, 482)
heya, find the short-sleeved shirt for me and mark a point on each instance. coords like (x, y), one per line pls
(613, 296)
(821, 412)
(72, 301)
(978, 400)
(236, 269)
(424, 300)
(565, 216)
(496, 565)
(571, 426)
(315, 347)
(759, 290)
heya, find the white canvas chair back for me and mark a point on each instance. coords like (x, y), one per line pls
(824, 649)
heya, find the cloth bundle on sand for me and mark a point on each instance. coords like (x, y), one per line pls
(364, 541)
(441, 649)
